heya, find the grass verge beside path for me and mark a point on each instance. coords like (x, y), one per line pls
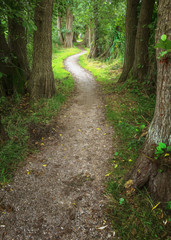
(28, 124)
(129, 109)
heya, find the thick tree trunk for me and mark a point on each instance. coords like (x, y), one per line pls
(140, 65)
(69, 34)
(17, 44)
(42, 79)
(130, 35)
(95, 50)
(59, 26)
(155, 173)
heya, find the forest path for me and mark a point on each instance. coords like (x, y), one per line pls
(58, 194)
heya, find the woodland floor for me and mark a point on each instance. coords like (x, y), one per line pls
(59, 193)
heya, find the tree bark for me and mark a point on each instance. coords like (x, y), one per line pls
(17, 43)
(42, 79)
(59, 26)
(69, 34)
(86, 37)
(6, 66)
(140, 65)
(95, 50)
(155, 173)
(130, 35)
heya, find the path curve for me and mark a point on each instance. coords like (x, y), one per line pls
(58, 194)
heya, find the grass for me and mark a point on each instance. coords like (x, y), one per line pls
(129, 109)
(23, 120)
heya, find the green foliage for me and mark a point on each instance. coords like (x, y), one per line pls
(19, 115)
(129, 109)
(168, 205)
(165, 44)
(161, 149)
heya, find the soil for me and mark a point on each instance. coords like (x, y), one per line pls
(59, 192)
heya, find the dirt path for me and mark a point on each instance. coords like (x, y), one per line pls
(58, 194)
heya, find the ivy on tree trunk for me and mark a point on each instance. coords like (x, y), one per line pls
(155, 173)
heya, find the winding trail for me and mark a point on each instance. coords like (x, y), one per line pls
(58, 194)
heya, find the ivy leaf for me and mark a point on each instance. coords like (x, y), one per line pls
(116, 153)
(162, 145)
(169, 149)
(163, 37)
(121, 200)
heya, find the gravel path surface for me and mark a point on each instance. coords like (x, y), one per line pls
(58, 194)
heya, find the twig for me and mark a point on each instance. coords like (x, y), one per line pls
(152, 159)
(145, 119)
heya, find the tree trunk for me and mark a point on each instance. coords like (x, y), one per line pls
(155, 173)
(130, 35)
(6, 66)
(75, 36)
(69, 35)
(140, 65)
(86, 37)
(17, 44)
(59, 26)
(95, 50)
(89, 37)
(42, 79)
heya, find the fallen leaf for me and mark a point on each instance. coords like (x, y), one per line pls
(104, 134)
(129, 183)
(108, 174)
(155, 206)
(103, 227)
(98, 129)
(42, 144)
(60, 135)
(44, 165)
(116, 165)
(167, 154)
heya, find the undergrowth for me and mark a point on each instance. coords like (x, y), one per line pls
(129, 108)
(24, 120)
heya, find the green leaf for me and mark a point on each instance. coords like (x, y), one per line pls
(1, 74)
(169, 149)
(142, 126)
(163, 37)
(159, 151)
(121, 200)
(162, 145)
(116, 153)
(168, 205)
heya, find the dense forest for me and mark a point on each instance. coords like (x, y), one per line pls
(136, 33)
